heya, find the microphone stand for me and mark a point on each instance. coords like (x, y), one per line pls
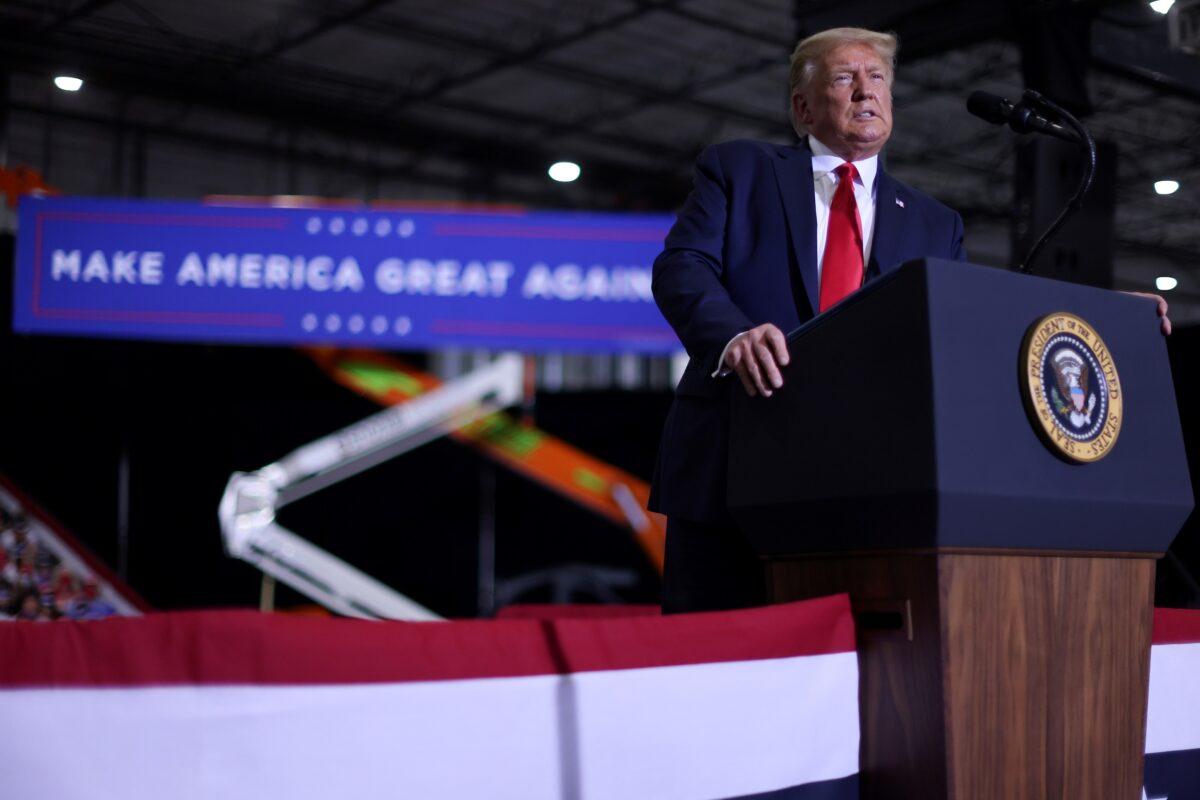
(1086, 141)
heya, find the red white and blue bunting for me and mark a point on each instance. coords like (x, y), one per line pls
(1173, 712)
(237, 704)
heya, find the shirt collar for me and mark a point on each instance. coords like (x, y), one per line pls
(825, 161)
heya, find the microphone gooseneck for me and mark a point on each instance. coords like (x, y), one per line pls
(1086, 142)
(1023, 117)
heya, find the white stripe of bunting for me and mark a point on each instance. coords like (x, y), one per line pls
(1173, 710)
(666, 733)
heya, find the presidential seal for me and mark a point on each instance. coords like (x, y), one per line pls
(1070, 386)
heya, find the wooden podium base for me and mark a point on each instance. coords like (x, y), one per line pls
(994, 676)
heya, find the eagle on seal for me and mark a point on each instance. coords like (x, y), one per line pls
(1071, 375)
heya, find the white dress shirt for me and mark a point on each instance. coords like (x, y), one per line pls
(825, 181)
(824, 162)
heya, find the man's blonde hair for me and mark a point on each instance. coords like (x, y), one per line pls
(810, 51)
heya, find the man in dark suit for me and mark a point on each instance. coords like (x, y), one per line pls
(770, 236)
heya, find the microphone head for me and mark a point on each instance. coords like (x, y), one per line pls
(990, 107)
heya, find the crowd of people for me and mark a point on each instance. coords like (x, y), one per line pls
(36, 585)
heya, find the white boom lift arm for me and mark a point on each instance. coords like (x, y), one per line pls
(251, 499)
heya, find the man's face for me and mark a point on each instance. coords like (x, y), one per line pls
(847, 104)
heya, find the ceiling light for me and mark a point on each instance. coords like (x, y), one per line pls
(1162, 6)
(1165, 283)
(564, 171)
(68, 83)
(1166, 187)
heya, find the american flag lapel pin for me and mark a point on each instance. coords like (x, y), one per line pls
(899, 202)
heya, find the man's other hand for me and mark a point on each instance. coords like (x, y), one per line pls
(1162, 309)
(756, 356)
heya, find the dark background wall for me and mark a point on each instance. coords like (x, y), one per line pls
(1179, 572)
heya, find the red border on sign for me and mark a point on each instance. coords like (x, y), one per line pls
(533, 330)
(166, 317)
(500, 231)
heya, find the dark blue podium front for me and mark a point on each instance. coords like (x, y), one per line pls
(901, 424)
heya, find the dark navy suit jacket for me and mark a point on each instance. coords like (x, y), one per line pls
(743, 252)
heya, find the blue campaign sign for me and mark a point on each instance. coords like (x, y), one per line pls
(395, 278)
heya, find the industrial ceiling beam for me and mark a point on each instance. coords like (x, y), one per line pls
(533, 52)
(586, 127)
(414, 31)
(227, 61)
(1140, 51)
(727, 25)
(550, 128)
(80, 11)
(161, 80)
(682, 95)
(325, 24)
(284, 151)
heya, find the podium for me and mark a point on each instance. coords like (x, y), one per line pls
(1003, 590)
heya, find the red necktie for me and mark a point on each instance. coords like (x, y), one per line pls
(842, 266)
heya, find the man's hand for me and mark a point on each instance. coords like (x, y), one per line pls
(756, 357)
(1162, 309)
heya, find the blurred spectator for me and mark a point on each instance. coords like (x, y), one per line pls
(20, 541)
(90, 605)
(25, 578)
(36, 585)
(66, 590)
(30, 608)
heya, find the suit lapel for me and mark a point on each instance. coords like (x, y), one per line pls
(889, 226)
(793, 174)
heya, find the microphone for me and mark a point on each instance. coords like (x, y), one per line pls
(1023, 119)
(1020, 117)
